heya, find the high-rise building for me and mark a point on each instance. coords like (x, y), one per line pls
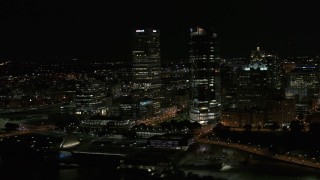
(303, 82)
(88, 97)
(273, 62)
(260, 81)
(147, 65)
(252, 88)
(204, 77)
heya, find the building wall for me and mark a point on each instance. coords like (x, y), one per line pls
(240, 117)
(283, 111)
(147, 64)
(89, 96)
(204, 79)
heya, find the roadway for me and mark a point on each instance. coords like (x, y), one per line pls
(35, 129)
(165, 116)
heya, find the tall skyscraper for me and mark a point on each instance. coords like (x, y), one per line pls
(252, 86)
(273, 63)
(147, 65)
(205, 78)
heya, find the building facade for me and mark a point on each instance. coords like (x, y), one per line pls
(252, 88)
(204, 77)
(147, 65)
(303, 82)
(88, 96)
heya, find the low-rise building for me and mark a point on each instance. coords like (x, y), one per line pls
(171, 141)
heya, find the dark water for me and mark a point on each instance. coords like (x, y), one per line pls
(255, 170)
(54, 172)
(92, 168)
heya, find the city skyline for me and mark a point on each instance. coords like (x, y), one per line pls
(42, 30)
(208, 89)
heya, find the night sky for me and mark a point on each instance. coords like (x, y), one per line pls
(42, 29)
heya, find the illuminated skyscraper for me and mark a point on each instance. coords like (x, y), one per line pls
(257, 55)
(273, 62)
(88, 97)
(260, 81)
(147, 65)
(303, 82)
(205, 78)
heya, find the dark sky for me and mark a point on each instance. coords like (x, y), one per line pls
(67, 28)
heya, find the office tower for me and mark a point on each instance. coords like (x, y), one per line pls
(303, 82)
(260, 81)
(147, 65)
(204, 77)
(303, 85)
(275, 73)
(259, 91)
(88, 97)
(252, 88)
(274, 64)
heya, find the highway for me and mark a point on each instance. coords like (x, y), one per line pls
(28, 130)
(165, 116)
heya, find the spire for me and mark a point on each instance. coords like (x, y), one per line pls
(257, 55)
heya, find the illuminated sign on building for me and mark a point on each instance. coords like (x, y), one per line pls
(146, 102)
(139, 30)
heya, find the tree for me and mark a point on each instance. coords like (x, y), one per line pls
(195, 125)
(296, 126)
(110, 125)
(166, 125)
(12, 126)
(259, 127)
(221, 130)
(314, 128)
(218, 127)
(274, 126)
(130, 134)
(135, 127)
(247, 127)
(63, 120)
(142, 126)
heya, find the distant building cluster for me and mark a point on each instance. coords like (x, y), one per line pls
(209, 89)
